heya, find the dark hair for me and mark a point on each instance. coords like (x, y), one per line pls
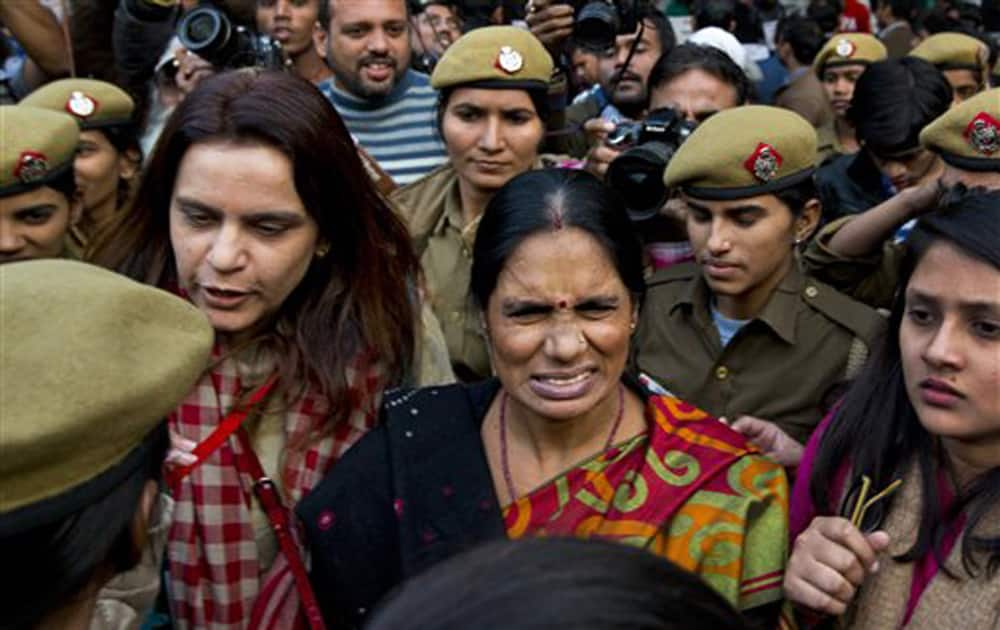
(720, 13)
(541, 200)
(894, 100)
(57, 560)
(64, 183)
(803, 34)
(877, 432)
(708, 59)
(901, 9)
(540, 583)
(749, 25)
(357, 299)
(123, 138)
(826, 13)
(796, 197)
(664, 29)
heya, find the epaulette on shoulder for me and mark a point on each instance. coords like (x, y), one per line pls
(860, 319)
(674, 273)
(421, 203)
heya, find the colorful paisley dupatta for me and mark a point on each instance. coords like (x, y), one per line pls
(690, 490)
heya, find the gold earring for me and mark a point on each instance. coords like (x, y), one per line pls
(322, 250)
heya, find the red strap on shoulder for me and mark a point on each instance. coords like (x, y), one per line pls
(277, 514)
(221, 433)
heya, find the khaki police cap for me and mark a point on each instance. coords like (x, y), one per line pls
(93, 103)
(849, 49)
(954, 51)
(496, 56)
(967, 136)
(743, 152)
(92, 362)
(38, 146)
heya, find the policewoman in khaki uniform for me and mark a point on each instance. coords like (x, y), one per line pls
(38, 196)
(963, 59)
(743, 332)
(92, 363)
(108, 158)
(839, 65)
(861, 254)
(493, 86)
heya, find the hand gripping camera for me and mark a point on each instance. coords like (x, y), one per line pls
(637, 174)
(598, 22)
(209, 33)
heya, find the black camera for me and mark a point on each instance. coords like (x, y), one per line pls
(637, 174)
(209, 33)
(598, 22)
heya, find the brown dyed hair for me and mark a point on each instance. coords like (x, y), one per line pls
(358, 298)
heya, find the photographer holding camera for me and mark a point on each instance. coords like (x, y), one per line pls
(686, 86)
(629, 37)
(434, 26)
(166, 47)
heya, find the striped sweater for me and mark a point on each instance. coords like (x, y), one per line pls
(399, 131)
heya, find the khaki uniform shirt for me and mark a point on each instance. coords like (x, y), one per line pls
(869, 279)
(805, 96)
(432, 210)
(781, 366)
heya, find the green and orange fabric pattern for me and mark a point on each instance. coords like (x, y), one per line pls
(689, 489)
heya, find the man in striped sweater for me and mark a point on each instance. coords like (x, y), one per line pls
(389, 108)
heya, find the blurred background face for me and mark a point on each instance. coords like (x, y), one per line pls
(559, 322)
(434, 29)
(909, 170)
(695, 95)
(98, 169)
(631, 89)
(586, 67)
(368, 47)
(964, 84)
(838, 83)
(949, 342)
(491, 135)
(34, 224)
(291, 22)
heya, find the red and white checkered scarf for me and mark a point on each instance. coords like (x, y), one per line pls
(215, 580)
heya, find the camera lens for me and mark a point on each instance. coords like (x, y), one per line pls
(637, 175)
(205, 32)
(202, 27)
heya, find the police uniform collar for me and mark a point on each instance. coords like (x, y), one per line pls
(781, 310)
(779, 313)
(452, 215)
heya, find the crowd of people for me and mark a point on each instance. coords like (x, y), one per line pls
(476, 313)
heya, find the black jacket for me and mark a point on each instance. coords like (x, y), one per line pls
(390, 508)
(849, 184)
